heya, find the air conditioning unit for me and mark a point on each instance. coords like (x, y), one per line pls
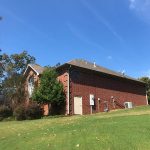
(128, 104)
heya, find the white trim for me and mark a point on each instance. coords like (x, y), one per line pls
(32, 68)
(147, 98)
(26, 70)
(30, 86)
(68, 95)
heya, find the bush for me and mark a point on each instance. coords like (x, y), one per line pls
(5, 112)
(19, 112)
(34, 111)
(57, 109)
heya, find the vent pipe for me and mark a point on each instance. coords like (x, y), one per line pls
(94, 64)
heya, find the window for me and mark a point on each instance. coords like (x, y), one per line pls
(30, 86)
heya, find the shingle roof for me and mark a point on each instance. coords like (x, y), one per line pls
(87, 65)
(37, 68)
(92, 66)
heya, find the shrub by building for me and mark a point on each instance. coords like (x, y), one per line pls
(5, 112)
(28, 112)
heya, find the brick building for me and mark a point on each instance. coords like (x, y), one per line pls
(91, 88)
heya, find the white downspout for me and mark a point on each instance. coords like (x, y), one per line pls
(68, 94)
(146, 98)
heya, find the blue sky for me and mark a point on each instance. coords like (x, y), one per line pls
(113, 33)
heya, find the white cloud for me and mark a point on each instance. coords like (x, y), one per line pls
(141, 8)
(20, 20)
(146, 73)
(109, 57)
(102, 20)
(132, 4)
(77, 33)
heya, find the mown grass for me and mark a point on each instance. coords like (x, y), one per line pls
(117, 130)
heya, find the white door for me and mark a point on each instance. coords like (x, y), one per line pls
(78, 105)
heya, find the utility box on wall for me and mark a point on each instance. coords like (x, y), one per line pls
(91, 99)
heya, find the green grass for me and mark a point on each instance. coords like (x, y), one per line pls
(116, 130)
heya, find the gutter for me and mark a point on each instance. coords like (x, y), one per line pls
(104, 73)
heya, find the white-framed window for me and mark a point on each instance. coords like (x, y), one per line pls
(30, 86)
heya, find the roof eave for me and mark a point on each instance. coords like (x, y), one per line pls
(121, 77)
(32, 69)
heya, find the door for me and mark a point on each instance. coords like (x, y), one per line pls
(78, 105)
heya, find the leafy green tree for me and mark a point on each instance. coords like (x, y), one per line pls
(13, 81)
(1, 67)
(50, 90)
(16, 63)
(14, 89)
(147, 81)
(1, 73)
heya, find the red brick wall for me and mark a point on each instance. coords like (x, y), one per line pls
(29, 74)
(63, 78)
(83, 83)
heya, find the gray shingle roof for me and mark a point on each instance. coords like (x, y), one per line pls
(91, 66)
(38, 68)
(87, 65)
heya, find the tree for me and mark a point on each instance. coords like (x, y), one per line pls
(1, 67)
(16, 63)
(1, 72)
(147, 81)
(14, 89)
(50, 90)
(13, 81)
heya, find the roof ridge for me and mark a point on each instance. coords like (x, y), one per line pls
(99, 68)
(97, 65)
(37, 68)
(35, 64)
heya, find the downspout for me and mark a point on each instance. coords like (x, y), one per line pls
(68, 90)
(147, 98)
(146, 95)
(68, 94)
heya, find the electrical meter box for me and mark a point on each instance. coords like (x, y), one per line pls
(91, 99)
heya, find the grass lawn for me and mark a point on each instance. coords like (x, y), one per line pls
(116, 130)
